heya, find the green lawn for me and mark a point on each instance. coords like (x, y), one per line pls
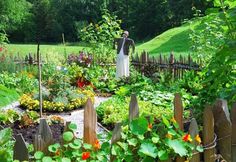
(50, 50)
(175, 39)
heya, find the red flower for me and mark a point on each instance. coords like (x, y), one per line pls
(1, 49)
(80, 83)
(187, 138)
(85, 155)
(97, 145)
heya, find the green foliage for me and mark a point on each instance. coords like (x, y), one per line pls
(101, 36)
(7, 95)
(6, 145)
(21, 82)
(207, 40)
(116, 110)
(9, 116)
(151, 140)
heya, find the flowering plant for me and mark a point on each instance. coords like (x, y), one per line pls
(141, 140)
(83, 59)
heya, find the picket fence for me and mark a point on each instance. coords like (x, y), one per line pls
(176, 67)
(218, 134)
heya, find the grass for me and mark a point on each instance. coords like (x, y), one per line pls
(175, 40)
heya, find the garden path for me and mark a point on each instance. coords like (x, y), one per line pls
(76, 116)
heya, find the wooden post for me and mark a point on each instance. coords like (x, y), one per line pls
(44, 137)
(194, 131)
(90, 123)
(133, 108)
(208, 134)
(233, 136)
(171, 64)
(178, 114)
(178, 110)
(223, 128)
(40, 82)
(20, 150)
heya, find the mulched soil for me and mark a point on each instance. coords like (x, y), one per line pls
(30, 131)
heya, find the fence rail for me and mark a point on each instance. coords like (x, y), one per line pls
(149, 65)
(218, 131)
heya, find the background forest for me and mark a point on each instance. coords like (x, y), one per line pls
(55, 17)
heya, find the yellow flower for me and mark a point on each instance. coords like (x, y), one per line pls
(198, 139)
(168, 136)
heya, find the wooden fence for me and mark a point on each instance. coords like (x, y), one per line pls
(218, 134)
(148, 65)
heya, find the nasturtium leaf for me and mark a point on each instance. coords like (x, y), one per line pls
(155, 139)
(199, 148)
(148, 149)
(53, 148)
(87, 146)
(72, 126)
(68, 136)
(123, 145)
(47, 159)
(65, 160)
(38, 155)
(163, 155)
(139, 126)
(178, 147)
(132, 141)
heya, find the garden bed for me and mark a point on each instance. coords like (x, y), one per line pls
(28, 132)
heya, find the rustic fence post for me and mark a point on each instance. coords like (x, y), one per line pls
(233, 136)
(116, 136)
(194, 131)
(90, 123)
(171, 64)
(223, 128)
(44, 137)
(133, 108)
(20, 150)
(178, 115)
(208, 135)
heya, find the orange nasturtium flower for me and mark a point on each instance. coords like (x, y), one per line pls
(168, 136)
(97, 145)
(85, 155)
(57, 152)
(198, 139)
(150, 126)
(187, 138)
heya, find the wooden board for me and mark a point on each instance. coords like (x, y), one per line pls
(194, 131)
(90, 123)
(208, 134)
(223, 128)
(233, 137)
(20, 150)
(133, 108)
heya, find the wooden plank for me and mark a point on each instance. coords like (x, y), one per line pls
(44, 137)
(90, 123)
(133, 108)
(116, 134)
(178, 110)
(223, 128)
(39, 144)
(20, 151)
(208, 134)
(233, 136)
(45, 132)
(178, 114)
(194, 131)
